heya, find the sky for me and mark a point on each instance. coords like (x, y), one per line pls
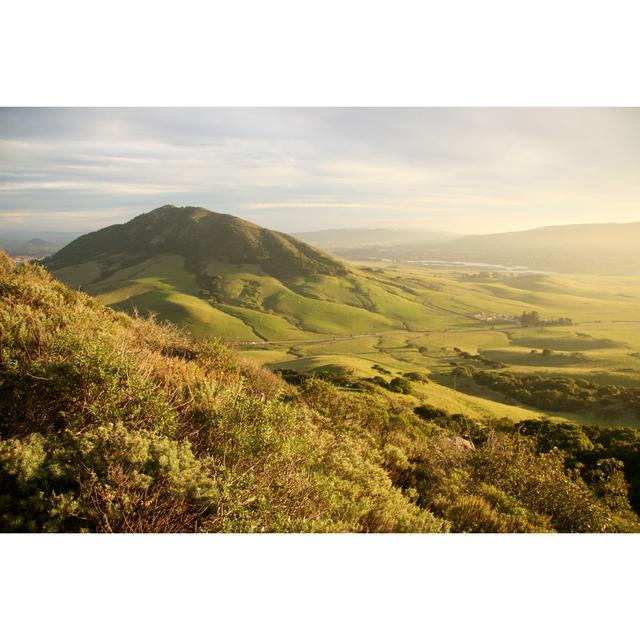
(468, 170)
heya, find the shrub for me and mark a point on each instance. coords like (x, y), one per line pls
(108, 479)
(415, 376)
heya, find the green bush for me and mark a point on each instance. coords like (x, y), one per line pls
(110, 479)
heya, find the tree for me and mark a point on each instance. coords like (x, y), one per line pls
(530, 319)
(400, 385)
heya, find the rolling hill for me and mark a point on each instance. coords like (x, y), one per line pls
(219, 275)
(290, 306)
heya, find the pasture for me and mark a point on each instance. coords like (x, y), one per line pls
(602, 345)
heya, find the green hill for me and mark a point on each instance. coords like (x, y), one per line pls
(219, 275)
(115, 423)
(198, 235)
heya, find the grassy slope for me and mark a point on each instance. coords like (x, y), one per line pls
(113, 423)
(605, 335)
(272, 310)
(163, 286)
(407, 308)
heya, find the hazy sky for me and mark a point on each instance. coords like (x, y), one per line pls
(466, 170)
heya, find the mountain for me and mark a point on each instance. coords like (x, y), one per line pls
(219, 275)
(35, 248)
(353, 238)
(199, 235)
(608, 248)
(16, 236)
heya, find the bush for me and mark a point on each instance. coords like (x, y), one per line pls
(415, 376)
(110, 479)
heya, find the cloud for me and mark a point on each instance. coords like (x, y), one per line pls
(13, 218)
(296, 169)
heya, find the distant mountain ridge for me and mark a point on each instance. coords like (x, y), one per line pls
(343, 238)
(35, 247)
(598, 248)
(559, 235)
(607, 248)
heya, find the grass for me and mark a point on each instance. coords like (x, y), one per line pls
(266, 326)
(596, 348)
(163, 286)
(80, 276)
(344, 365)
(321, 316)
(418, 318)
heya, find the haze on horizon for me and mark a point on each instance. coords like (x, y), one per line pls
(468, 170)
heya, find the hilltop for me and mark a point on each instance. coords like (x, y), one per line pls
(114, 423)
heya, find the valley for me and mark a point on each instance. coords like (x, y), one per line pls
(601, 345)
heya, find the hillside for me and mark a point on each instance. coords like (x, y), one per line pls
(199, 235)
(220, 275)
(117, 424)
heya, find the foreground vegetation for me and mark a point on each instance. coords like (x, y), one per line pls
(118, 423)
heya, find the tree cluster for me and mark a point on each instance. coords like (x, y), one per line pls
(562, 393)
(532, 319)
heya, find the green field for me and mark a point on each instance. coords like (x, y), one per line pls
(601, 346)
